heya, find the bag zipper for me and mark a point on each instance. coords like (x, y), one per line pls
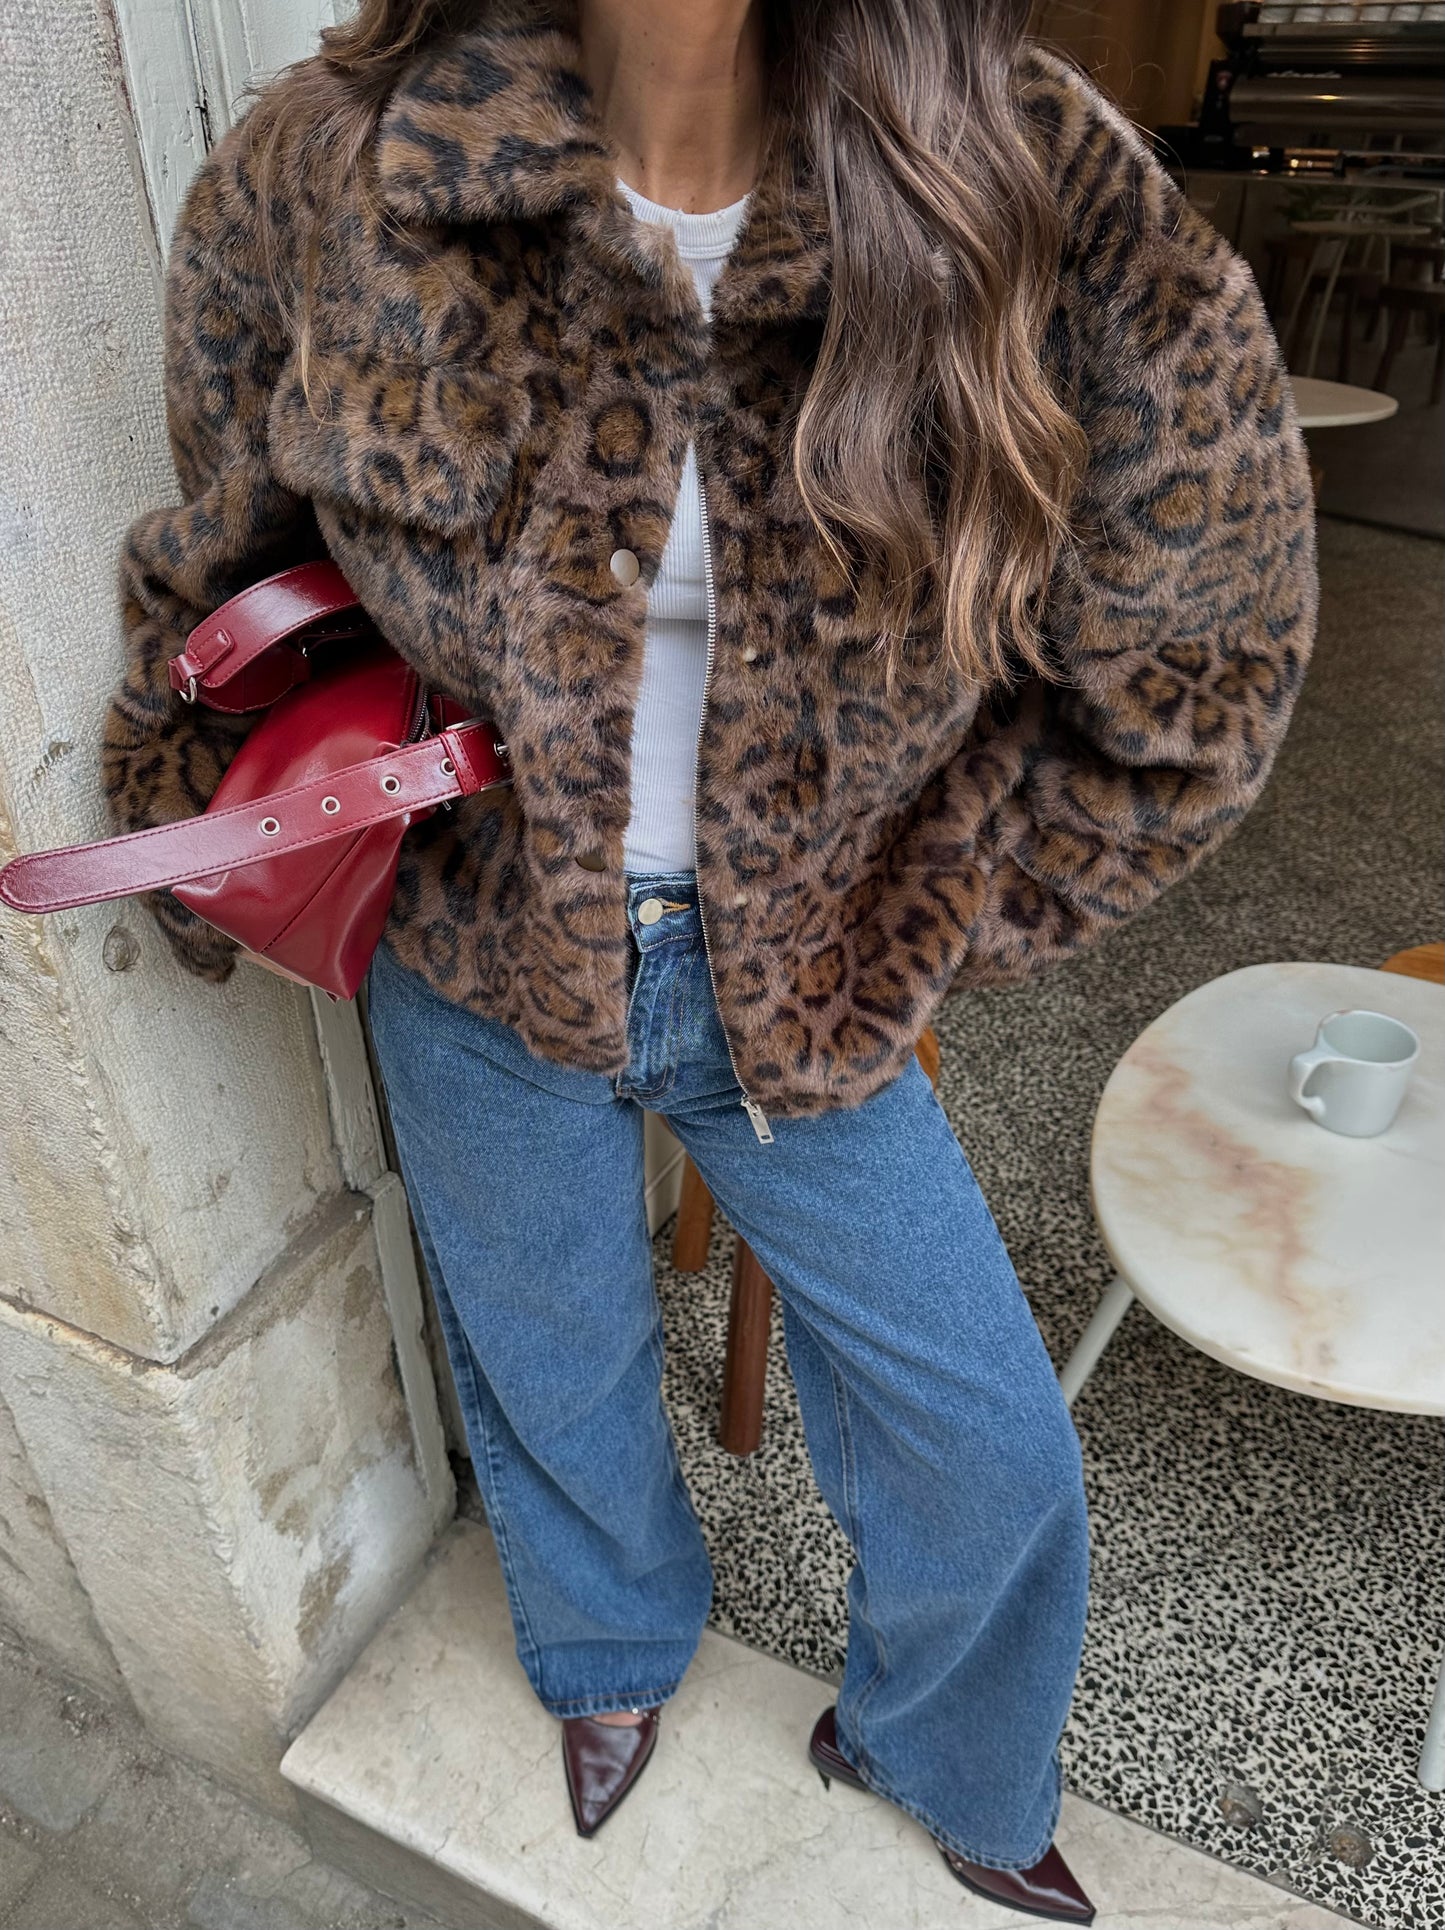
(755, 1113)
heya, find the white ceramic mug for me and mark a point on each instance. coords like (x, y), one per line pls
(1361, 1063)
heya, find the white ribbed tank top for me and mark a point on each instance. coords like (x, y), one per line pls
(659, 834)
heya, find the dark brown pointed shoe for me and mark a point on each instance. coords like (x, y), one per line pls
(603, 1760)
(1046, 1889)
(827, 1758)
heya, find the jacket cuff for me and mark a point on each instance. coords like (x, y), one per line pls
(203, 950)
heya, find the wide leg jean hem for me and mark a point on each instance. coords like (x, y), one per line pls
(881, 1786)
(609, 1702)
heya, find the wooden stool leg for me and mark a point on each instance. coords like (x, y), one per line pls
(928, 1054)
(740, 1425)
(693, 1232)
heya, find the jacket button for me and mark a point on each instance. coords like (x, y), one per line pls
(591, 860)
(624, 566)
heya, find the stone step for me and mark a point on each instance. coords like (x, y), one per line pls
(433, 1774)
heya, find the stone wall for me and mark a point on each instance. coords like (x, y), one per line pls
(212, 1482)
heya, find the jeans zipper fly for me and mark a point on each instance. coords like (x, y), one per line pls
(750, 1105)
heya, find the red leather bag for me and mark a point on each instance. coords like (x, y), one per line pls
(296, 854)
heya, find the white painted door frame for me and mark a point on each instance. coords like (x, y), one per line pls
(188, 65)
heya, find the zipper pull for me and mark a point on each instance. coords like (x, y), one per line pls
(760, 1121)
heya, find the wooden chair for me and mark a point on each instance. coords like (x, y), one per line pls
(1419, 298)
(1419, 961)
(1356, 288)
(1355, 240)
(740, 1419)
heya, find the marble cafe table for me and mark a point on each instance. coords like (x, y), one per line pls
(1284, 1250)
(1338, 405)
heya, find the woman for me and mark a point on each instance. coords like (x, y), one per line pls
(869, 502)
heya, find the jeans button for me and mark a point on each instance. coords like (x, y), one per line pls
(649, 911)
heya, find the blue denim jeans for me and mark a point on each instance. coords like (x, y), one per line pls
(937, 1431)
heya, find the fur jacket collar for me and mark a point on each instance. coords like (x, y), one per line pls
(502, 375)
(497, 126)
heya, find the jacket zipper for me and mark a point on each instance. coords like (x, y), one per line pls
(750, 1105)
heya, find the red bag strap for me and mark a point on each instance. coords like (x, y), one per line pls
(458, 762)
(253, 649)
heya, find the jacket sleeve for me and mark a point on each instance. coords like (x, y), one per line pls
(1183, 619)
(224, 345)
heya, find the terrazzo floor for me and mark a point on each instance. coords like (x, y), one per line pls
(1268, 1605)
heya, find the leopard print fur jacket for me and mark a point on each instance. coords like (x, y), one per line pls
(504, 371)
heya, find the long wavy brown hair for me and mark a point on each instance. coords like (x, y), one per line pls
(932, 451)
